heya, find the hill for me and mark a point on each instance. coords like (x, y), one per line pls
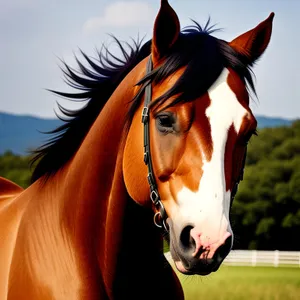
(267, 122)
(19, 133)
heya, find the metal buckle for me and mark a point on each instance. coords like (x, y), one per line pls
(154, 197)
(160, 223)
(145, 114)
(155, 221)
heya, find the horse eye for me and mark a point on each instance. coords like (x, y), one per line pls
(165, 122)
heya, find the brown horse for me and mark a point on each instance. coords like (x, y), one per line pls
(84, 229)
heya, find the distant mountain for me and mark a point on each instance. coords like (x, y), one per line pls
(264, 122)
(20, 133)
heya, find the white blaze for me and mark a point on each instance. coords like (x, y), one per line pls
(208, 208)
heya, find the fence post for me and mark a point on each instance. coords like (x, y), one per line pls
(276, 258)
(254, 258)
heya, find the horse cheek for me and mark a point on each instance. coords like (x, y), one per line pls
(134, 169)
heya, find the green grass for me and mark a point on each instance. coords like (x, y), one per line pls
(243, 283)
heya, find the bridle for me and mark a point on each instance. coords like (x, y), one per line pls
(161, 215)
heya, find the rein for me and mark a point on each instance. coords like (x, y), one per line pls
(161, 215)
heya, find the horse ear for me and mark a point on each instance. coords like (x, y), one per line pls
(166, 31)
(254, 42)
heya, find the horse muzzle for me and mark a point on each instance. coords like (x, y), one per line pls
(195, 253)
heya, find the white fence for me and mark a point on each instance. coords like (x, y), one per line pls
(260, 258)
(263, 258)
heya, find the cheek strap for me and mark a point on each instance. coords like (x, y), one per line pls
(161, 215)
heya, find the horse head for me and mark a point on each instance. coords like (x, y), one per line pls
(198, 123)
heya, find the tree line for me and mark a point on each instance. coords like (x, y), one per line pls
(266, 212)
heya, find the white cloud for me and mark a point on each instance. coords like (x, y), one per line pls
(122, 14)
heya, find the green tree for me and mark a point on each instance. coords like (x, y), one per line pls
(15, 168)
(266, 212)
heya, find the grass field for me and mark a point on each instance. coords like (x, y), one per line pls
(243, 283)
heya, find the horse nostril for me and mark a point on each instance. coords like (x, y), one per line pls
(223, 250)
(187, 242)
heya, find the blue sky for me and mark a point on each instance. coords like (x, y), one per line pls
(35, 33)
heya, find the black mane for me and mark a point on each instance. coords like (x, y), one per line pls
(203, 55)
(96, 84)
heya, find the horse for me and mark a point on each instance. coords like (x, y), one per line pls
(158, 150)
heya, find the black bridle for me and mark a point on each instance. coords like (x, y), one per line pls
(161, 215)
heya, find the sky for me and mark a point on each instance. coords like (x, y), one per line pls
(36, 34)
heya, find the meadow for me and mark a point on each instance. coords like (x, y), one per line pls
(243, 283)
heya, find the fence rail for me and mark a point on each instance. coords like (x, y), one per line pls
(260, 258)
(263, 258)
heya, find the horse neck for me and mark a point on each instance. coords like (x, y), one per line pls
(142, 271)
(114, 236)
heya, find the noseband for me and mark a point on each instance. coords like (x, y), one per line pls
(161, 215)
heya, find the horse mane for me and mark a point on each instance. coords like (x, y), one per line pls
(203, 55)
(96, 84)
